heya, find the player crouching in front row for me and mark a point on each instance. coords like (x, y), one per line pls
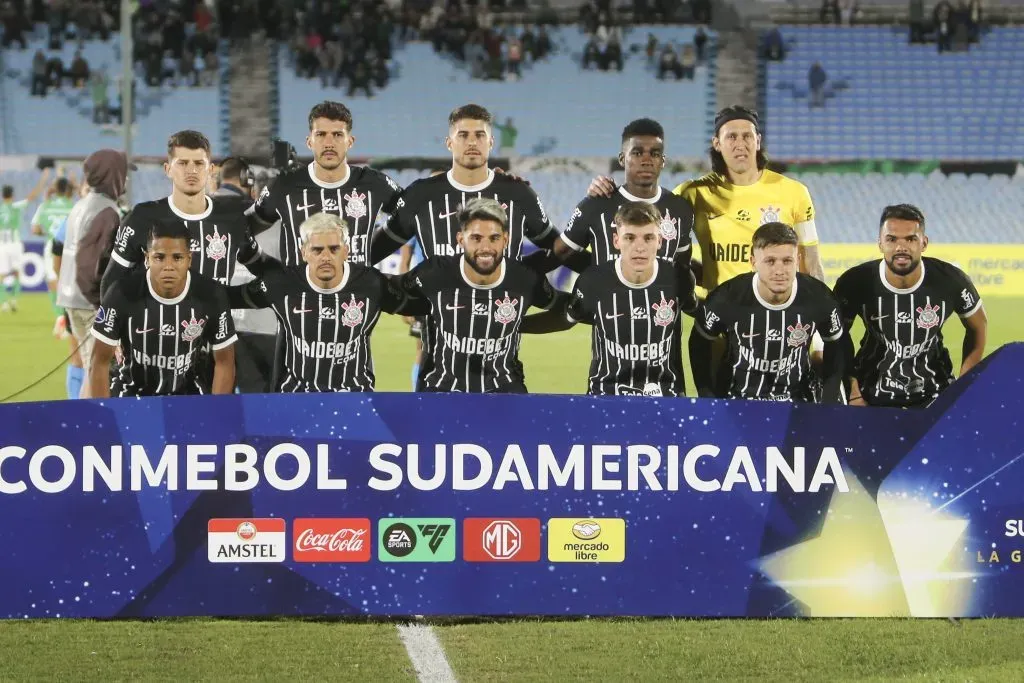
(162, 317)
(768, 318)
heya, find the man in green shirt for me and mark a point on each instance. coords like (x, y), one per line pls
(52, 210)
(11, 248)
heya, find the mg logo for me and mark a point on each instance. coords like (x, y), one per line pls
(502, 540)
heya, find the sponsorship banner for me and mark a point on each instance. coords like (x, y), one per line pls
(996, 269)
(402, 504)
(34, 268)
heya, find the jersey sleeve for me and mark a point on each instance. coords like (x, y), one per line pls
(37, 217)
(543, 294)
(577, 232)
(390, 192)
(401, 226)
(130, 240)
(708, 321)
(20, 204)
(265, 207)
(538, 228)
(968, 301)
(248, 247)
(60, 234)
(110, 317)
(846, 294)
(579, 309)
(220, 330)
(803, 216)
(830, 326)
(418, 283)
(686, 219)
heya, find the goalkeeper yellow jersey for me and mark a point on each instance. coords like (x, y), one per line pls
(726, 216)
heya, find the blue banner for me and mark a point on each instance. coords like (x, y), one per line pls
(400, 504)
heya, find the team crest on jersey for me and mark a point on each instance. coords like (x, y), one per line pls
(664, 312)
(928, 317)
(770, 214)
(506, 312)
(669, 227)
(798, 334)
(353, 314)
(216, 248)
(193, 329)
(355, 204)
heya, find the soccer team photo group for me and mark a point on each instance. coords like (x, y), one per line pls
(727, 265)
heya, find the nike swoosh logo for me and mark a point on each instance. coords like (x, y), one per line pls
(878, 317)
(453, 308)
(610, 316)
(301, 310)
(712, 217)
(144, 331)
(442, 216)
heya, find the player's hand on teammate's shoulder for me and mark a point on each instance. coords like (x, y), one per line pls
(601, 186)
(509, 174)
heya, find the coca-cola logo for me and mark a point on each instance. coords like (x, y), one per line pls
(331, 540)
(341, 540)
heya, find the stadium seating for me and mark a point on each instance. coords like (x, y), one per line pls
(558, 108)
(848, 205)
(60, 124)
(889, 99)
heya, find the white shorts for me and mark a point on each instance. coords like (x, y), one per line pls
(10, 257)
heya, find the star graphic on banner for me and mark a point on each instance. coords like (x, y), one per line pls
(875, 559)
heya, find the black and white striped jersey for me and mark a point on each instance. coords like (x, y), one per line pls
(160, 338)
(359, 198)
(768, 354)
(902, 360)
(220, 235)
(472, 333)
(327, 331)
(591, 225)
(636, 340)
(427, 210)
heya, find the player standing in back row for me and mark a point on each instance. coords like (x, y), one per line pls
(904, 299)
(330, 185)
(220, 234)
(428, 209)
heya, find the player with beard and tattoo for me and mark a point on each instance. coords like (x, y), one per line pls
(478, 301)
(358, 194)
(220, 237)
(904, 299)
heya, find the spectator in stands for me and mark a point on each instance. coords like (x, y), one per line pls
(817, 78)
(669, 63)
(651, 49)
(529, 41)
(515, 58)
(379, 72)
(360, 79)
(774, 46)
(701, 10)
(79, 70)
(944, 26)
(507, 136)
(917, 22)
(55, 72)
(98, 85)
(13, 22)
(700, 41)
(830, 12)
(688, 62)
(544, 45)
(591, 53)
(848, 11)
(39, 80)
(211, 64)
(973, 18)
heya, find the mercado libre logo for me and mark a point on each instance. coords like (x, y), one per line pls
(420, 539)
(586, 539)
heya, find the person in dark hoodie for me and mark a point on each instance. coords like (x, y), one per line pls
(88, 234)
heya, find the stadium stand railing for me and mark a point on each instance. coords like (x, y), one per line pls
(224, 93)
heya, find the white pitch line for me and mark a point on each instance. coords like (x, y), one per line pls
(426, 653)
